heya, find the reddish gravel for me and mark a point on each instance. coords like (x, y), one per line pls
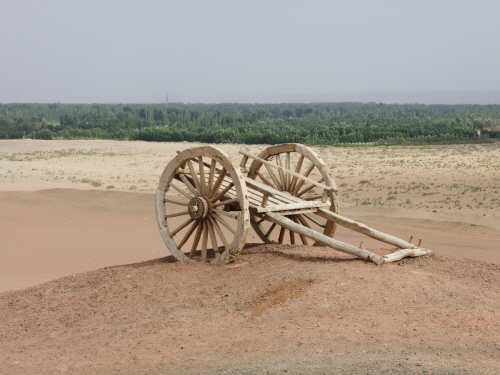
(277, 309)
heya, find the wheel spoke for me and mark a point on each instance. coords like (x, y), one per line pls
(301, 182)
(305, 190)
(201, 167)
(219, 232)
(287, 166)
(270, 229)
(302, 237)
(204, 242)
(188, 234)
(173, 201)
(196, 240)
(216, 187)
(281, 173)
(189, 185)
(223, 222)
(211, 175)
(194, 176)
(292, 237)
(265, 180)
(303, 221)
(213, 238)
(181, 227)
(282, 234)
(260, 220)
(229, 201)
(313, 219)
(186, 194)
(221, 194)
(176, 214)
(273, 177)
(225, 213)
(297, 170)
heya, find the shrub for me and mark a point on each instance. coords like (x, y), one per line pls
(41, 134)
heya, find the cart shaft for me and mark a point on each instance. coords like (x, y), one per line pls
(321, 238)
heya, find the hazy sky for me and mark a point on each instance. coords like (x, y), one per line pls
(122, 51)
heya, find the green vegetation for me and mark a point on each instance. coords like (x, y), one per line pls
(314, 123)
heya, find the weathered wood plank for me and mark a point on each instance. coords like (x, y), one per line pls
(292, 206)
(264, 189)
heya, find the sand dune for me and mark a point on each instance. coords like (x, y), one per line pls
(74, 206)
(82, 212)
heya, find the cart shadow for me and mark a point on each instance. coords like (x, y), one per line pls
(292, 252)
(147, 263)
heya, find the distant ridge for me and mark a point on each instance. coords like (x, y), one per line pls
(431, 97)
(388, 97)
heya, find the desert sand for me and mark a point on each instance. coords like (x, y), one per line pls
(77, 219)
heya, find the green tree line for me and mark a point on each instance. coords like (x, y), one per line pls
(313, 123)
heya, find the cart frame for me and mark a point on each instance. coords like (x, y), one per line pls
(286, 186)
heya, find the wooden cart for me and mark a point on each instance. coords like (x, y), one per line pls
(205, 205)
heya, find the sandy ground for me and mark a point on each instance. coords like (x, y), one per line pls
(69, 208)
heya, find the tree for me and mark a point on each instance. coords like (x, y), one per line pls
(143, 114)
(158, 115)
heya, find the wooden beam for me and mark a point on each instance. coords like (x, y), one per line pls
(262, 188)
(403, 253)
(366, 230)
(292, 206)
(321, 238)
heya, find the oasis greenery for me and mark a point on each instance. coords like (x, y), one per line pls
(313, 123)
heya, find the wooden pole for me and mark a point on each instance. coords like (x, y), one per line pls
(403, 253)
(362, 228)
(321, 238)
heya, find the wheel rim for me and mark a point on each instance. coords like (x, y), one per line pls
(303, 160)
(202, 206)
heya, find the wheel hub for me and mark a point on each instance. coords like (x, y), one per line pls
(199, 208)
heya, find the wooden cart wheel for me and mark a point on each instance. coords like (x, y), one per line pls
(202, 199)
(303, 160)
